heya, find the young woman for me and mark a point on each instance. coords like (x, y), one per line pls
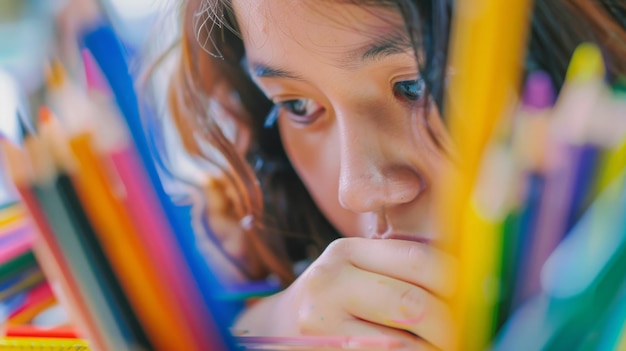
(338, 131)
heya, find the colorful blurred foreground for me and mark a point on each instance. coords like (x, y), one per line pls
(25, 295)
(129, 268)
(28, 307)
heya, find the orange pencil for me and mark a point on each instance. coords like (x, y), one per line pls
(152, 301)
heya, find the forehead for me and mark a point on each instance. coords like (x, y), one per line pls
(271, 28)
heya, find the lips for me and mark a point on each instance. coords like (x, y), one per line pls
(407, 237)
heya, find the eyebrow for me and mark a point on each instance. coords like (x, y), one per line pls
(375, 50)
(382, 47)
(262, 70)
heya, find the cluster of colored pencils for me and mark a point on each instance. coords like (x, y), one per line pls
(564, 235)
(534, 210)
(106, 236)
(24, 291)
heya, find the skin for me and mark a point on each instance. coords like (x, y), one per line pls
(361, 145)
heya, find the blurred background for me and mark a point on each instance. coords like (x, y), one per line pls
(28, 37)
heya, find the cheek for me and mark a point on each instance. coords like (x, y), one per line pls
(315, 157)
(316, 164)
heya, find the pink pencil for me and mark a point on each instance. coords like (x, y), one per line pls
(34, 298)
(148, 217)
(16, 247)
(155, 234)
(276, 343)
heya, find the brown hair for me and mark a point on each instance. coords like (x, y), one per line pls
(284, 220)
(269, 196)
(559, 26)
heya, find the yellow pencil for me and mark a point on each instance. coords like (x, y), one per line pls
(487, 48)
(621, 345)
(43, 344)
(12, 215)
(614, 162)
(28, 282)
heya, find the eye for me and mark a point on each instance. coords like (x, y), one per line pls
(300, 107)
(301, 111)
(412, 91)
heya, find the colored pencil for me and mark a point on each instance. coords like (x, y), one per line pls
(566, 153)
(46, 248)
(86, 158)
(318, 343)
(11, 215)
(17, 265)
(26, 330)
(150, 297)
(21, 282)
(16, 247)
(37, 299)
(105, 47)
(43, 344)
(7, 306)
(51, 191)
(582, 280)
(479, 96)
(614, 162)
(531, 140)
(16, 234)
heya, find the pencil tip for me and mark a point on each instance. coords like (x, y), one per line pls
(45, 115)
(25, 130)
(55, 74)
(586, 64)
(539, 91)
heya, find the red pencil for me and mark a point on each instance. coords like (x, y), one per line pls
(37, 299)
(64, 332)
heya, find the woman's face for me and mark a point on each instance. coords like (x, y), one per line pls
(351, 114)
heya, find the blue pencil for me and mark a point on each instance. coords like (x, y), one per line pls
(108, 52)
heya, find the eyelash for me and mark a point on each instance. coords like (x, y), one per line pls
(300, 117)
(412, 92)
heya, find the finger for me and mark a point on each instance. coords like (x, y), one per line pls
(416, 263)
(400, 305)
(398, 339)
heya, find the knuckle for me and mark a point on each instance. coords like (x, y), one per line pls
(329, 266)
(339, 248)
(306, 321)
(412, 303)
(319, 272)
(320, 275)
(416, 255)
(317, 319)
(415, 252)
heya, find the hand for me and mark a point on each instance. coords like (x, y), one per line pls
(371, 287)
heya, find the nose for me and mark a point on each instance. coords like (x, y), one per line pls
(375, 169)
